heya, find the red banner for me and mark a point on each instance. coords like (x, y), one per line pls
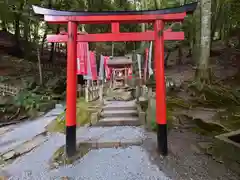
(130, 73)
(93, 65)
(82, 56)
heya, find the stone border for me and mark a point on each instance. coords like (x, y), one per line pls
(95, 117)
(225, 138)
(96, 144)
(228, 149)
(141, 114)
(118, 123)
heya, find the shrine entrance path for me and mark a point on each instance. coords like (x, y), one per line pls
(120, 154)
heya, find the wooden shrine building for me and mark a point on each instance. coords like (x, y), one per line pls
(121, 67)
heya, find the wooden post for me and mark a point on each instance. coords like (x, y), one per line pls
(125, 76)
(100, 89)
(149, 117)
(79, 90)
(87, 91)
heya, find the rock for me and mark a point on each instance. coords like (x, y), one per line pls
(65, 178)
(3, 178)
(127, 96)
(9, 155)
(59, 106)
(120, 95)
(24, 148)
(210, 126)
(43, 107)
(205, 145)
(94, 118)
(195, 149)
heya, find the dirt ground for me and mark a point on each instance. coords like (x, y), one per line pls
(185, 161)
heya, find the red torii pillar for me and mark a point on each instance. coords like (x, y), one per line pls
(158, 17)
(160, 86)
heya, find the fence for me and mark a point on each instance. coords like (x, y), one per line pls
(93, 91)
(9, 89)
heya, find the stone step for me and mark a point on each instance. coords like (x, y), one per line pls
(107, 137)
(119, 113)
(119, 121)
(121, 107)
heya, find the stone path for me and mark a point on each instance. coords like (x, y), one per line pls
(117, 153)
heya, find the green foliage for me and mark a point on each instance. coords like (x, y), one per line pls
(215, 95)
(83, 117)
(3, 79)
(27, 100)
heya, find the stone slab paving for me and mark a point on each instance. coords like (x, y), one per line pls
(28, 130)
(130, 163)
(37, 160)
(24, 148)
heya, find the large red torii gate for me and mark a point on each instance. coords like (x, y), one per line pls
(157, 17)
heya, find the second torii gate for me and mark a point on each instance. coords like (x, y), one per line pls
(157, 17)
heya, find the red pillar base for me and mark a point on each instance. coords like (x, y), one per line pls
(70, 140)
(162, 139)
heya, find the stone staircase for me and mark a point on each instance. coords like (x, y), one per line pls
(119, 113)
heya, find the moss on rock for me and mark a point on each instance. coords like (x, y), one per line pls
(83, 117)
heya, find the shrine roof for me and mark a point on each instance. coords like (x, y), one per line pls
(188, 8)
(119, 61)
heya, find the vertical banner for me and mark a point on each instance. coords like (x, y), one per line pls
(130, 73)
(146, 63)
(82, 49)
(107, 69)
(93, 65)
(88, 75)
(101, 68)
(150, 60)
(139, 65)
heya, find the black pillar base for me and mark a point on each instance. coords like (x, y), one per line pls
(70, 140)
(162, 139)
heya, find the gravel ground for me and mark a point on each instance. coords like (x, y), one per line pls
(131, 163)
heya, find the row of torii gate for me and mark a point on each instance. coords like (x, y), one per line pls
(157, 17)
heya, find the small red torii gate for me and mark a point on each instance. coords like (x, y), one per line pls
(157, 17)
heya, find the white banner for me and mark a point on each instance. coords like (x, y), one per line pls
(150, 60)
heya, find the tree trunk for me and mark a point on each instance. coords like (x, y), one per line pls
(196, 41)
(26, 36)
(143, 25)
(17, 23)
(180, 54)
(43, 40)
(203, 73)
(39, 66)
(157, 4)
(53, 46)
(17, 28)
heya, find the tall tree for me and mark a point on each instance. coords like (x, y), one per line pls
(203, 73)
